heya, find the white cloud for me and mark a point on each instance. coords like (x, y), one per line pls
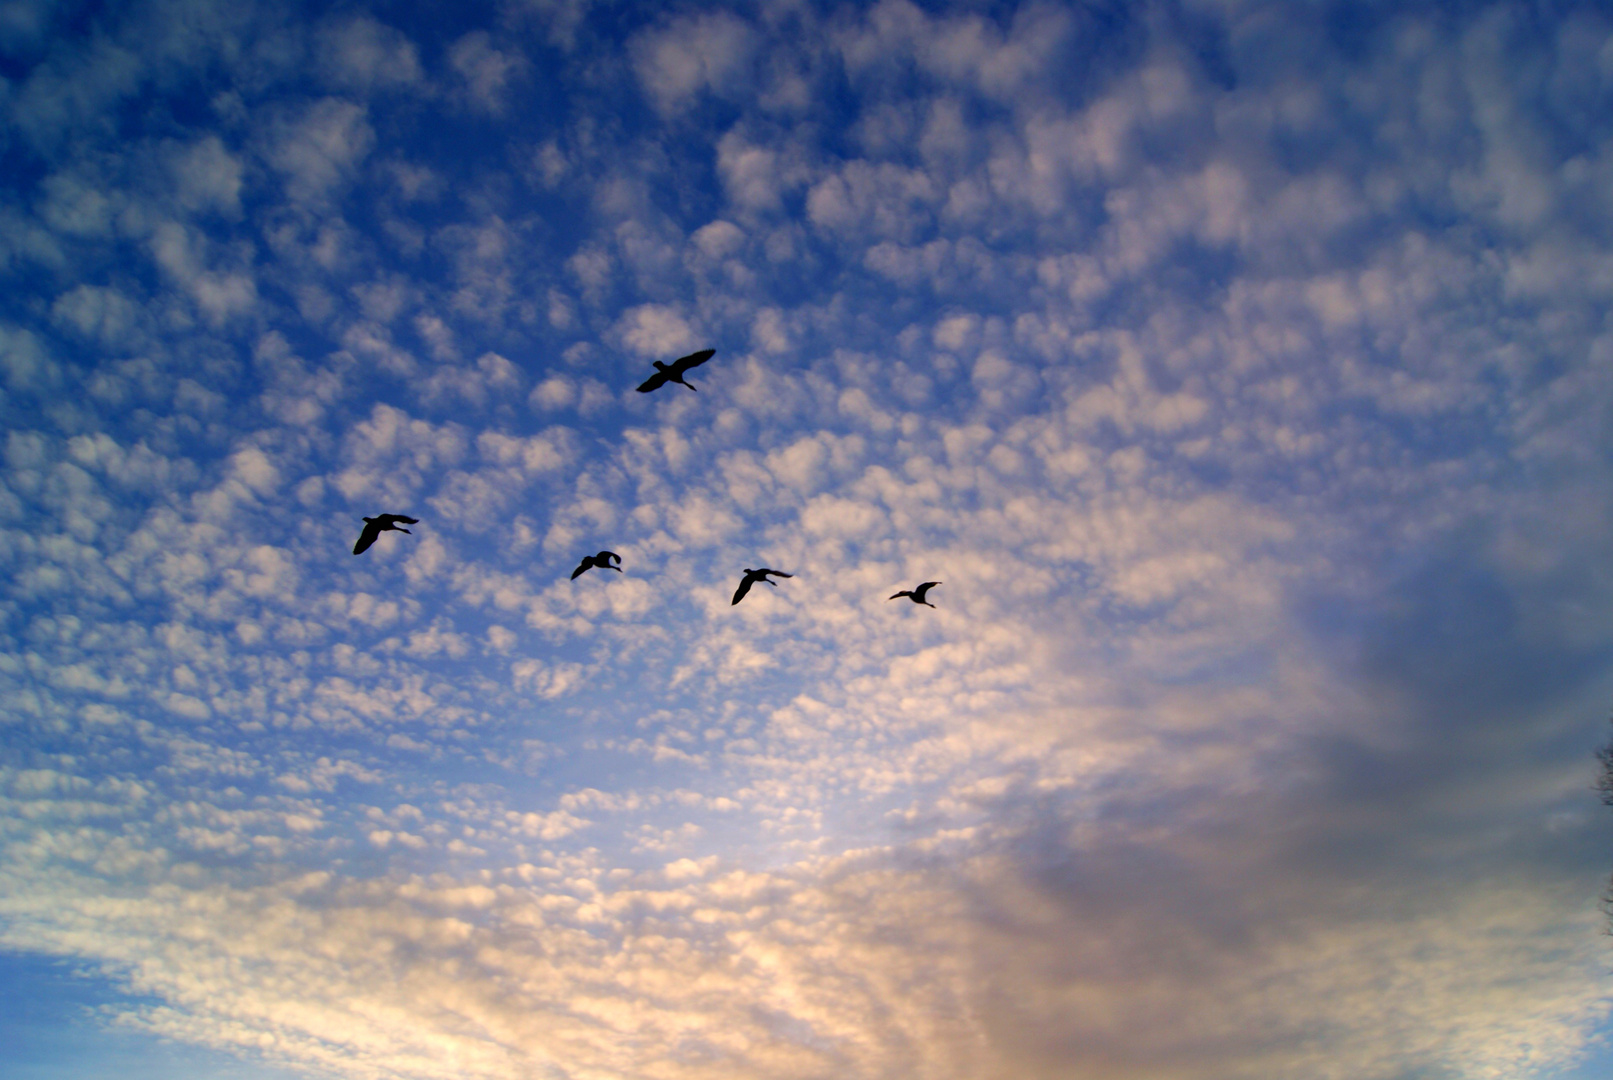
(320, 149)
(718, 239)
(77, 207)
(104, 316)
(253, 467)
(208, 177)
(491, 378)
(655, 330)
(555, 392)
(757, 177)
(364, 54)
(184, 254)
(486, 71)
(27, 365)
(690, 55)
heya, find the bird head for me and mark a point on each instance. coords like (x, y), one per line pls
(658, 365)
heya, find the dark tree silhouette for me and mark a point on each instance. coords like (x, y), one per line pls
(1604, 783)
(1604, 788)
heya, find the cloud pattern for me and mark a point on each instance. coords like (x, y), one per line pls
(1241, 368)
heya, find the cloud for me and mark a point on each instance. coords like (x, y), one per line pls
(562, 19)
(654, 329)
(208, 177)
(691, 55)
(106, 316)
(486, 71)
(364, 54)
(1248, 400)
(183, 254)
(28, 367)
(320, 149)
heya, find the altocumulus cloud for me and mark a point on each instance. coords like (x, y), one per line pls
(1242, 370)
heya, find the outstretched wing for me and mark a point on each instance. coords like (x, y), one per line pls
(924, 588)
(744, 587)
(776, 573)
(372, 529)
(605, 558)
(393, 519)
(898, 596)
(693, 360)
(654, 382)
(585, 564)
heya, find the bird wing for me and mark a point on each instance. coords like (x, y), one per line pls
(587, 561)
(693, 360)
(924, 588)
(604, 558)
(775, 573)
(744, 587)
(654, 382)
(395, 518)
(372, 529)
(898, 596)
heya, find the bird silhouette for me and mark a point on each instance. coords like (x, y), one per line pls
(375, 526)
(602, 560)
(752, 577)
(674, 372)
(917, 595)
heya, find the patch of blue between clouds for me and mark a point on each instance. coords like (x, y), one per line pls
(57, 1023)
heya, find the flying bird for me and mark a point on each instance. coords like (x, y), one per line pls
(752, 577)
(917, 595)
(375, 526)
(602, 560)
(674, 372)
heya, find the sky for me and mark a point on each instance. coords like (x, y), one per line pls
(1242, 369)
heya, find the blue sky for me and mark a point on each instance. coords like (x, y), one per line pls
(1242, 370)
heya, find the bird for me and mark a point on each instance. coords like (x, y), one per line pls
(752, 577)
(674, 372)
(375, 526)
(602, 560)
(917, 595)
